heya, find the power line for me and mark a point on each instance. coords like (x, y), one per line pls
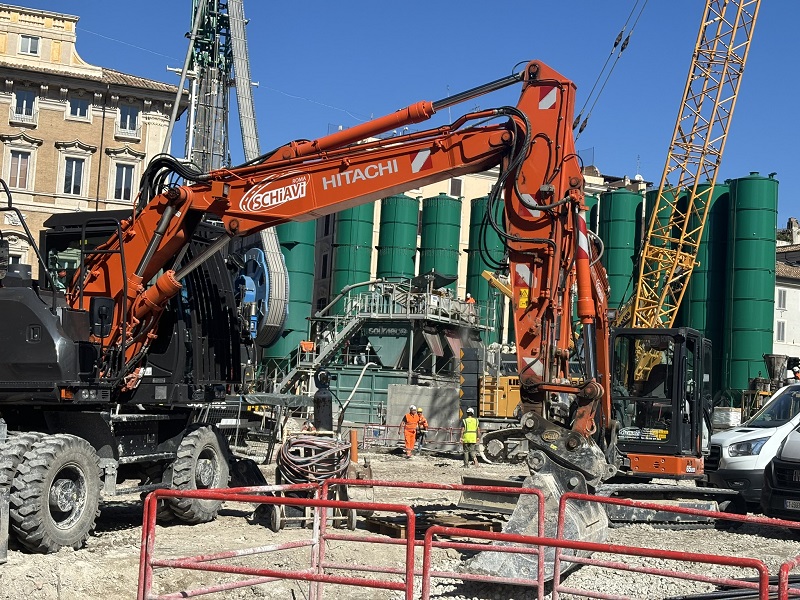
(105, 37)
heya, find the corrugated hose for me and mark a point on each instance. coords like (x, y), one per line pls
(307, 458)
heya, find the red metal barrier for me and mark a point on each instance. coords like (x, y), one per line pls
(319, 571)
(204, 562)
(783, 577)
(421, 485)
(387, 436)
(562, 544)
(784, 591)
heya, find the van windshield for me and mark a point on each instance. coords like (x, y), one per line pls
(779, 410)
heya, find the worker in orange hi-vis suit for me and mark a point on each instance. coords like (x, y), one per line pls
(408, 427)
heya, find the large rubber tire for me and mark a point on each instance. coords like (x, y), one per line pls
(158, 473)
(201, 463)
(11, 453)
(55, 495)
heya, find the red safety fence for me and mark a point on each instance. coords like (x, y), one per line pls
(260, 495)
(377, 435)
(594, 547)
(321, 570)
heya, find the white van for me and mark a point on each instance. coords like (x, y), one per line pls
(738, 456)
(780, 495)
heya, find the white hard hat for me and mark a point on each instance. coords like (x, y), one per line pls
(412, 407)
(795, 369)
(469, 410)
(469, 295)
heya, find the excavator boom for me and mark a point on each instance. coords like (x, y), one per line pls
(124, 286)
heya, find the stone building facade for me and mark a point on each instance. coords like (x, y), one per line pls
(73, 136)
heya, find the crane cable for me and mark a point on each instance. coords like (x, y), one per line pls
(622, 44)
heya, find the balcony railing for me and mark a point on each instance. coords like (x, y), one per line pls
(23, 116)
(125, 132)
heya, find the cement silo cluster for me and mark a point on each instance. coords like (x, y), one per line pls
(730, 296)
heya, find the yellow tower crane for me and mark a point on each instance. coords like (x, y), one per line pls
(670, 247)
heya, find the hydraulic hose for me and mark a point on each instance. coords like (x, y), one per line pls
(307, 458)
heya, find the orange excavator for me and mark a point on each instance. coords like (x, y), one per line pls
(104, 381)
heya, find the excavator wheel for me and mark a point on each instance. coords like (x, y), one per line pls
(158, 473)
(55, 494)
(202, 463)
(11, 453)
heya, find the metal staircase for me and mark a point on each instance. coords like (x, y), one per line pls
(321, 354)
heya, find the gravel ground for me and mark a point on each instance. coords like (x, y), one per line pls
(108, 566)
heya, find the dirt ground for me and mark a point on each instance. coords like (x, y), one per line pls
(108, 566)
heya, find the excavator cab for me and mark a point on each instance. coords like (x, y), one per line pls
(661, 397)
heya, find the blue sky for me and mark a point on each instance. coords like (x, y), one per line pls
(322, 64)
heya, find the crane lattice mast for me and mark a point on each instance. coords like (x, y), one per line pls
(669, 253)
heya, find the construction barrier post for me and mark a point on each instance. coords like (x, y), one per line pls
(354, 445)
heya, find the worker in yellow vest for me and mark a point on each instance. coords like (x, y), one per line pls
(470, 437)
(422, 430)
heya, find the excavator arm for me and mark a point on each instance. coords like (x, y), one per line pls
(544, 227)
(100, 347)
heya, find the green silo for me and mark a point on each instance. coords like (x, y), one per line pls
(441, 227)
(705, 295)
(750, 299)
(483, 235)
(617, 229)
(297, 245)
(352, 248)
(651, 199)
(397, 240)
(591, 211)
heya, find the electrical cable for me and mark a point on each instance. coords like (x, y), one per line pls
(608, 75)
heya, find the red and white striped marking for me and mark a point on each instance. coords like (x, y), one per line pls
(522, 275)
(547, 97)
(534, 364)
(529, 201)
(583, 237)
(422, 161)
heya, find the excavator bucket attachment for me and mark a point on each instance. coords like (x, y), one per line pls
(559, 461)
(584, 521)
(503, 504)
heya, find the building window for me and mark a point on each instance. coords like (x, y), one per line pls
(455, 188)
(324, 267)
(24, 103)
(128, 118)
(29, 44)
(18, 176)
(780, 331)
(781, 299)
(79, 108)
(73, 175)
(123, 182)
(326, 225)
